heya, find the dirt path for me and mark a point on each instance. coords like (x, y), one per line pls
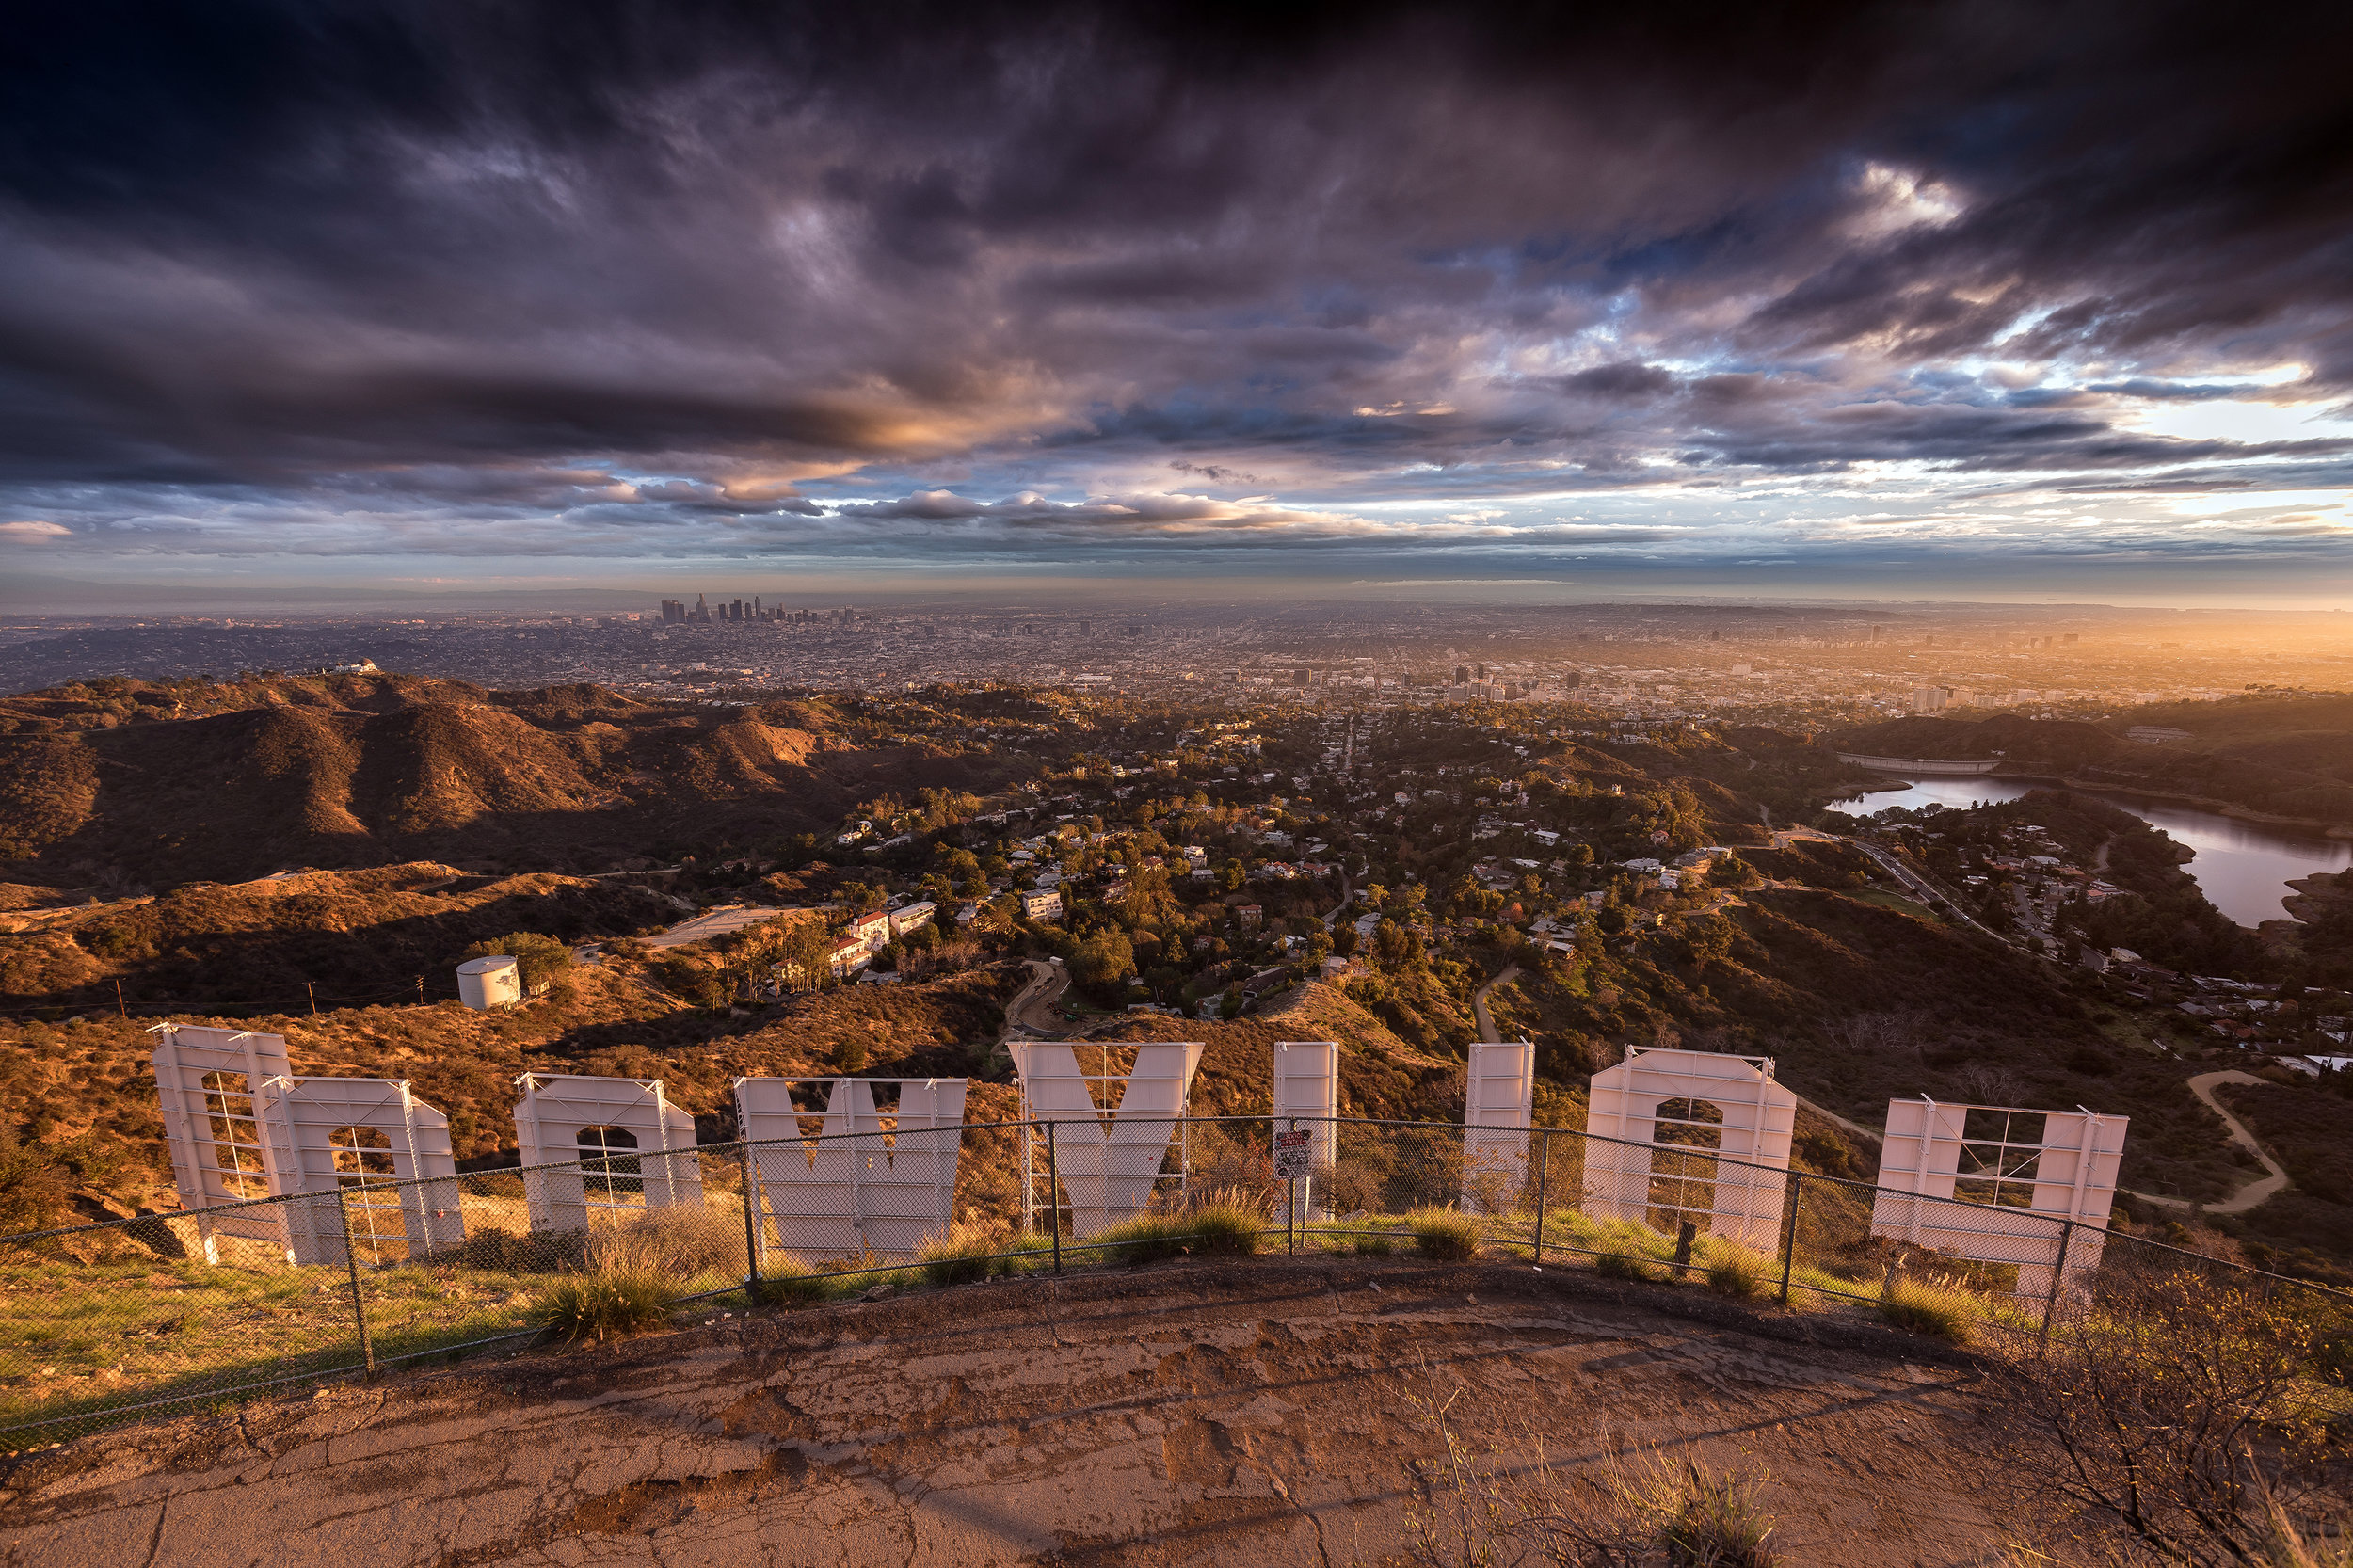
(1479, 1001)
(1259, 1413)
(2255, 1191)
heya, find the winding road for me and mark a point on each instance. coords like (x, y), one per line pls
(1478, 1003)
(1031, 1011)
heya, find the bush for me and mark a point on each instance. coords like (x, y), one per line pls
(1447, 1234)
(1924, 1308)
(593, 1306)
(968, 1254)
(786, 1279)
(1375, 1246)
(1227, 1228)
(1220, 1229)
(1716, 1523)
(1736, 1271)
(685, 1243)
(1626, 1265)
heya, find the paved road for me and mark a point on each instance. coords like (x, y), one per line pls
(717, 923)
(1032, 1010)
(1478, 1003)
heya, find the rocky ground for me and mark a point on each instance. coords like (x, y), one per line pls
(1262, 1412)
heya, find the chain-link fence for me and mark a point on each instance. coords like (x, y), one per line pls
(168, 1313)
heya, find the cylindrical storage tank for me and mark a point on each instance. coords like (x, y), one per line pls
(492, 981)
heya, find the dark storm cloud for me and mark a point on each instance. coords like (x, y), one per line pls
(612, 266)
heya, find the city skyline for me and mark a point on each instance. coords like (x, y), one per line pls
(1978, 303)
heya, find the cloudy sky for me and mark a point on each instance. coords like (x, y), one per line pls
(1977, 299)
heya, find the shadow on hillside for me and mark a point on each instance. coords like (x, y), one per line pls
(199, 965)
(238, 795)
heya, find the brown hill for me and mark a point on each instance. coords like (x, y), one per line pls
(123, 784)
(323, 938)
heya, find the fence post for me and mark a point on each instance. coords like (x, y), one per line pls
(351, 1266)
(1544, 1185)
(751, 1228)
(1053, 1195)
(1790, 1232)
(2058, 1276)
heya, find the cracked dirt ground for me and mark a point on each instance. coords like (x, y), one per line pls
(1190, 1413)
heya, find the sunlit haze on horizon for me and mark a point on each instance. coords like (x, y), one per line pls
(1999, 302)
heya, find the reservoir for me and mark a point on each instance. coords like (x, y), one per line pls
(2242, 868)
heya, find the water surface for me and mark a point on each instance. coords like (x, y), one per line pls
(2242, 868)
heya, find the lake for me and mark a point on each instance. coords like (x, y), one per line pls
(2242, 868)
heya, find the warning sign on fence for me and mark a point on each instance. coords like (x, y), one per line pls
(1294, 1154)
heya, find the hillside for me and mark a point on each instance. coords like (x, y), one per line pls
(118, 784)
(296, 942)
(2278, 755)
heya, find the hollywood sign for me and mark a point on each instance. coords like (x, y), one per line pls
(849, 1166)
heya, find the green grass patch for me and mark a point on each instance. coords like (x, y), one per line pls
(1444, 1235)
(1932, 1309)
(1628, 1266)
(1736, 1271)
(967, 1254)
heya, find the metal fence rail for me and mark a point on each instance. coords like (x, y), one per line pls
(164, 1314)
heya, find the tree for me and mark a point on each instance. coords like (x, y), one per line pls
(800, 954)
(859, 898)
(1102, 959)
(538, 960)
(1708, 939)
(1394, 946)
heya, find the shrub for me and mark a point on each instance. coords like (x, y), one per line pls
(1714, 1521)
(1736, 1271)
(1220, 1229)
(1626, 1265)
(2179, 1413)
(684, 1243)
(965, 1255)
(490, 1247)
(593, 1306)
(1446, 1235)
(787, 1279)
(1375, 1246)
(1924, 1308)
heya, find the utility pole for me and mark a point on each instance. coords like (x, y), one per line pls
(315, 998)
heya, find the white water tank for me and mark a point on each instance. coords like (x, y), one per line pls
(492, 981)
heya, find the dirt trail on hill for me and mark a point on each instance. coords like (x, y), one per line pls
(1245, 1413)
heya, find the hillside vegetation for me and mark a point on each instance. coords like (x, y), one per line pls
(124, 783)
(2284, 755)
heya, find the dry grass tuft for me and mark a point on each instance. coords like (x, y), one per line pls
(1446, 1235)
(1924, 1308)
